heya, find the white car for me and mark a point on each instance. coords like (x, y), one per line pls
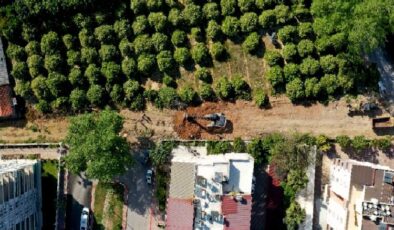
(149, 174)
(85, 219)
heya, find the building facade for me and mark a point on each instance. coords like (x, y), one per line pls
(20, 195)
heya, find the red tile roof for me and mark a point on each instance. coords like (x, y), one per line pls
(179, 214)
(6, 109)
(237, 215)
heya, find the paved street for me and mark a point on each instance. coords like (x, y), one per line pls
(80, 191)
(139, 196)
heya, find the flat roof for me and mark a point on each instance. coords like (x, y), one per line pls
(12, 165)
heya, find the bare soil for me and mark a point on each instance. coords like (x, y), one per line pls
(245, 120)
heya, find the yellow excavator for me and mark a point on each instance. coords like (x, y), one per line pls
(218, 120)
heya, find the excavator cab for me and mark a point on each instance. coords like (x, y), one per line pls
(218, 120)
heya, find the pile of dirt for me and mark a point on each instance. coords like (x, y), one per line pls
(196, 130)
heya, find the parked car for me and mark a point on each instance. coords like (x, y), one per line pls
(85, 219)
(149, 175)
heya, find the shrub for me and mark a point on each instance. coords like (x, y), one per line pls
(122, 29)
(182, 56)
(52, 62)
(218, 51)
(35, 64)
(248, 22)
(328, 63)
(129, 67)
(218, 147)
(197, 34)
(211, 11)
(267, 19)
(230, 26)
(142, 44)
(95, 95)
(89, 55)
(213, 30)
(75, 76)
(239, 145)
(165, 61)
(108, 53)
(150, 95)
(338, 41)
(105, 34)
(203, 75)
(179, 38)
(246, 5)
(305, 30)
(273, 57)
(92, 73)
(291, 72)
(275, 76)
(323, 143)
(131, 89)
(329, 83)
(282, 13)
(15, 52)
(295, 90)
(290, 52)
(169, 81)
(305, 47)
(228, 6)
(312, 87)
(344, 141)
(382, 143)
(110, 70)
(224, 88)
(323, 45)
(154, 5)
(22, 88)
(160, 41)
(50, 43)
(187, 94)
(20, 71)
(251, 43)
(33, 47)
(200, 53)
(241, 88)
(287, 34)
(73, 57)
(175, 17)
(40, 88)
(146, 63)
(140, 25)
(360, 143)
(157, 20)
(309, 66)
(207, 93)
(43, 106)
(192, 14)
(57, 84)
(125, 48)
(167, 97)
(260, 98)
(116, 93)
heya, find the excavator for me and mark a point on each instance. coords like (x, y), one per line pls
(218, 121)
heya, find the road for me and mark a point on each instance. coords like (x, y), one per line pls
(139, 196)
(80, 189)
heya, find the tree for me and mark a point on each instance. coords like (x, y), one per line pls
(203, 75)
(207, 93)
(290, 52)
(73, 57)
(328, 63)
(108, 53)
(23, 89)
(140, 25)
(295, 215)
(175, 17)
(267, 19)
(228, 7)
(260, 98)
(275, 76)
(93, 74)
(167, 97)
(187, 94)
(197, 34)
(154, 5)
(160, 42)
(273, 57)
(96, 146)
(264, 4)
(241, 88)
(122, 29)
(295, 181)
(53, 62)
(295, 90)
(89, 55)
(110, 70)
(125, 48)
(282, 13)
(146, 63)
(95, 95)
(40, 88)
(211, 11)
(43, 106)
(224, 88)
(291, 72)
(360, 143)
(105, 34)
(157, 20)
(287, 34)
(305, 47)
(251, 43)
(131, 89)
(78, 99)
(32, 48)
(116, 93)
(248, 22)
(213, 30)
(69, 41)
(57, 84)
(85, 38)
(239, 145)
(15, 52)
(257, 150)
(82, 21)
(383, 144)
(200, 54)
(50, 43)
(309, 66)
(138, 6)
(165, 61)
(230, 26)
(142, 44)
(179, 38)
(344, 141)
(75, 76)
(35, 64)
(169, 81)
(312, 88)
(305, 30)
(323, 45)
(20, 71)
(129, 67)
(329, 84)
(218, 51)
(338, 41)
(323, 143)
(246, 5)
(161, 153)
(192, 14)
(182, 55)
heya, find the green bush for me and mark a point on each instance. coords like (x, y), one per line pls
(200, 54)
(116, 93)
(204, 75)
(329, 83)
(95, 95)
(108, 53)
(218, 51)
(207, 93)
(182, 56)
(309, 66)
(53, 62)
(122, 29)
(169, 81)
(328, 63)
(20, 71)
(291, 72)
(188, 95)
(16, 52)
(146, 63)
(92, 73)
(105, 34)
(32, 48)
(50, 43)
(73, 57)
(131, 90)
(110, 70)
(140, 25)
(75, 76)
(305, 47)
(360, 143)
(167, 97)
(211, 11)
(192, 14)
(273, 57)
(382, 143)
(295, 90)
(260, 98)
(197, 34)
(282, 13)
(344, 141)
(179, 38)
(175, 17)
(57, 84)
(248, 22)
(290, 52)
(251, 43)
(22, 88)
(165, 61)
(287, 34)
(239, 145)
(312, 88)
(224, 88)
(305, 30)
(160, 41)
(142, 44)
(267, 19)
(129, 67)
(157, 20)
(213, 30)
(241, 88)
(231, 26)
(89, 55)
(218, 147)
(275, 76)
(125, 47)
(228, 7)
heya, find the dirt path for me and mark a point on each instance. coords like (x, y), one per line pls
(247, 121)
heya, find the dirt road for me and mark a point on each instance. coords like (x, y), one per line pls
(247, 121)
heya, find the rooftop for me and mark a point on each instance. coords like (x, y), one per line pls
(12, 165)
(179, 214)
(6, 108)
(4, 80)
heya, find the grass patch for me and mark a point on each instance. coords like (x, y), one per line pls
(49, 189)
(162, 179)
(108, 216)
